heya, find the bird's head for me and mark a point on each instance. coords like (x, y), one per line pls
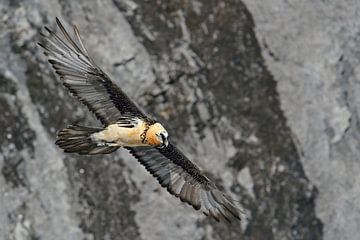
(157, 135)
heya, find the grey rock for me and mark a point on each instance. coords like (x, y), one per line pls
(197, 67)
(312, 49)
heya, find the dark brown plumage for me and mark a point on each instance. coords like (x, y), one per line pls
(183, 179)
(86, 81)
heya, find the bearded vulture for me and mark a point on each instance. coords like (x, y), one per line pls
(125, 125)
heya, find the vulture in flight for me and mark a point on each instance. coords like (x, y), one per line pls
(125, 125)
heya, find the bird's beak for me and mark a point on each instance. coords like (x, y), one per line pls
(166, 142)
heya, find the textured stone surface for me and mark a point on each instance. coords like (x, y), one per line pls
(211, 71)
(312, 49)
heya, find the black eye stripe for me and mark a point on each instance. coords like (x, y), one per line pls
(163, 138)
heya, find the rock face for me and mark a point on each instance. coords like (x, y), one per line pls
(312, 49)
(262, 96)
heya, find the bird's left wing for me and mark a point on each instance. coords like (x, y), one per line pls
(182, 178)
(84, 78)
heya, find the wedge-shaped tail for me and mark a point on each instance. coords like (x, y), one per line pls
(77, 139)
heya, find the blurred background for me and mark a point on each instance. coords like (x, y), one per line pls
(263, 95)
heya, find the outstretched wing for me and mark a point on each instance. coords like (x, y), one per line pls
(182, 178)
(84, 79)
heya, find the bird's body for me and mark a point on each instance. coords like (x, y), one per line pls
(142, 133)
(126, 132)
(116, 135)
(125, 125)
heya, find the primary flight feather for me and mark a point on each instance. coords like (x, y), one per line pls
(124, 125)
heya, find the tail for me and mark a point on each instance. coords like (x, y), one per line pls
(77, 139)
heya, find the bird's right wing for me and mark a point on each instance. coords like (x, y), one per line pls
(84, 78)
(183, 179)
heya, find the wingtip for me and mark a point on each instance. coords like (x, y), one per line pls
(59, 23)
(40, 44)
(57, 20)
(214, 216)
(51, 61)
(76, 30)
(197, 207)
(42, 34)
(48, 30)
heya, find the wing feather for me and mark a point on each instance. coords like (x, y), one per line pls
(184, 180)
(83, 78)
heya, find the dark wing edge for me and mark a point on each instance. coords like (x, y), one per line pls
(184, 180)
(83, 78)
